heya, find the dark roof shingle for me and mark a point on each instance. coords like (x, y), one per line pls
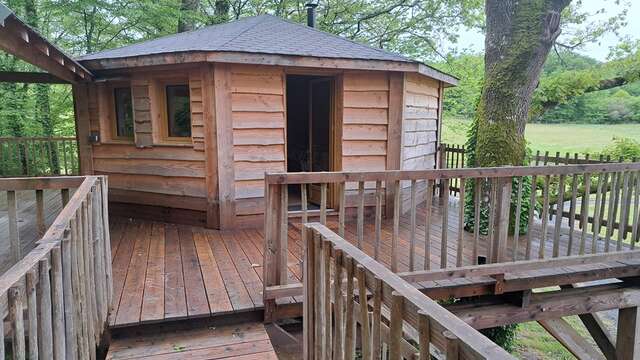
(265, 34)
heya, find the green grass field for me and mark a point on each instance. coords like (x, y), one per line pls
(571, 138)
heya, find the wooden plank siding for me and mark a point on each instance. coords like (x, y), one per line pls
(419, 130)
(143, 170)
(239, 122)
(365, 122)
(258, 112)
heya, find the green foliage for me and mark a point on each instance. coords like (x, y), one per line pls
(470, 188)
(461, 100)
(613, 106)
(504, 336)
(625, 148)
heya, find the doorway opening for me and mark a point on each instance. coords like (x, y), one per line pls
(309, 129)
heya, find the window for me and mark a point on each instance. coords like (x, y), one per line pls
(178, 111)
(124, 112)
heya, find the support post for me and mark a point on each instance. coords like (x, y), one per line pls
(501, 224)
(628, 339)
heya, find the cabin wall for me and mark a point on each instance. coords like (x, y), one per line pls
(258, 107)
(419, 129)
(244, 108)
(143, 170)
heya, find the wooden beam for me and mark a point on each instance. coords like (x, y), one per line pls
(30, 78)
(628, 338)
(30, 49)
(519, 266)
(210, 144)
(600, 334)
(83, 127)
(268, 59)
(394, 133)
(498, 311)
(570, 339)
(224, 134)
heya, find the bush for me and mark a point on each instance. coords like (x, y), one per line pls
(625, 148)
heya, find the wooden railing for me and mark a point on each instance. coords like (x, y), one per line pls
(38, 156)
(438, 237)
(347, 292)
(56, 298)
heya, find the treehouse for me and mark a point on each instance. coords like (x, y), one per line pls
(316, 159)
(186, 125)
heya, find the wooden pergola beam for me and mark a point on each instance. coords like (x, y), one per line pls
(20, 40)
(566, 335)
(30, 78)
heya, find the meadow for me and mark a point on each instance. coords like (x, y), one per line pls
(581, 138)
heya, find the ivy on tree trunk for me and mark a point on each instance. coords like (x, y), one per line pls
(519, 36)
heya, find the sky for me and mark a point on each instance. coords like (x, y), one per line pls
(474, 40)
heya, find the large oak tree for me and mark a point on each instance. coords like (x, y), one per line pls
(519, 36)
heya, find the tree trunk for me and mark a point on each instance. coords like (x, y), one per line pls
(187, 10)
(221, 11)
(519, 36)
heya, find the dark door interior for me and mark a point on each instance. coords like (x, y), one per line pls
(309, 110)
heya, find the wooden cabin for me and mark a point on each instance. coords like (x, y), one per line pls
(185, 126)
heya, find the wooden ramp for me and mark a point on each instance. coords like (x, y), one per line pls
(241, 341)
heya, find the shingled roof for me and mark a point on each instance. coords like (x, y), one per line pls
(264, 34)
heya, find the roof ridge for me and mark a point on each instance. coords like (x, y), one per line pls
(342, 38)
(243, 31)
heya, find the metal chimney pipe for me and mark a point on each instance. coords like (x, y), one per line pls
(311, 14)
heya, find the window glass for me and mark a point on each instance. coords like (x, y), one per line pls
(178, 111)
(124, 112)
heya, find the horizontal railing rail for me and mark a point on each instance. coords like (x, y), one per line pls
(421, 230)
(347, 292)
(38, 156)
(56, 298)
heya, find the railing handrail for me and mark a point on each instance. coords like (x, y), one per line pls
(51, 238)
(441, 320)
(40, 183)
(65, 282)
(437, 174)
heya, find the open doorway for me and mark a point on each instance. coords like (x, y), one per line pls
(309, 128)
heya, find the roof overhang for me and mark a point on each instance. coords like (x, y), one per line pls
(20, 40)
(267, 59)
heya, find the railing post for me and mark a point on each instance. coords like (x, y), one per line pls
(275, 243)
(501, 219)
(442, 164)
(308, 303)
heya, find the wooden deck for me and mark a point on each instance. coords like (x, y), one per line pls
(245, 341)
(165, 271)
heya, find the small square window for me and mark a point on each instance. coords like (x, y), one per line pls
(124, 112)
(178, 111)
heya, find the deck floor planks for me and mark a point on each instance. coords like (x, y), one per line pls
(244, 267)
(226, 267)
(238, 294)
(175, 301)
(214, 285)
(153, 299)
(197, 303)
(247, 340)
(131, 304)
(120, 265)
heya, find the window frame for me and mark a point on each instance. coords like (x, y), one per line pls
(163, 125)
(114, 111)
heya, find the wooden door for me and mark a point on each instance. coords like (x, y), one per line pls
(320, 119)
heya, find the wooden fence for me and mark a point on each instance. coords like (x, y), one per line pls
(56, 298)
(402, 192)
(397, 319)
(38, 156)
